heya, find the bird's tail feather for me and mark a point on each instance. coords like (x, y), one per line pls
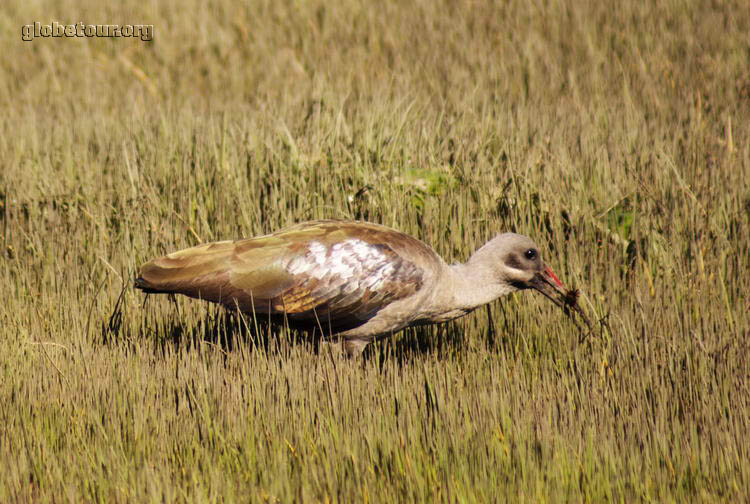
(186, 271)
(143, 284)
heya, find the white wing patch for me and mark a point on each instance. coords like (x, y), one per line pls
(349, 281)
(358, 263)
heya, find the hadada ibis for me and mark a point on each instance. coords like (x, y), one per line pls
(352, 280)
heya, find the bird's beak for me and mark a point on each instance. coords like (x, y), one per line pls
(546, 282)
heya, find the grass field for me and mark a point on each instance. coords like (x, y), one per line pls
(613, 133)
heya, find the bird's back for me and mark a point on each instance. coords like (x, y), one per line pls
(332, 274)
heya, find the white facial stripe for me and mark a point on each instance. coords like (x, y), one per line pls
(517, 274)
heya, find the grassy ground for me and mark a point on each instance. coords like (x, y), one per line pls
(614, 134)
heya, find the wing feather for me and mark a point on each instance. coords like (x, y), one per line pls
(338, 273)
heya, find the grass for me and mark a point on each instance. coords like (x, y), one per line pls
(616, 135)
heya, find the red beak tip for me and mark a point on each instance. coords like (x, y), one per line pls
(554, 278)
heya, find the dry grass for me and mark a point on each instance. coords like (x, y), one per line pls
(616, 135)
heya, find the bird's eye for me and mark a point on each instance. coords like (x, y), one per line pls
(530, 254)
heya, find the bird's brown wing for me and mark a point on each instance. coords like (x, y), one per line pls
(331, 273)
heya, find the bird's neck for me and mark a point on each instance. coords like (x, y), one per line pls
(475, 284)
(464, 287)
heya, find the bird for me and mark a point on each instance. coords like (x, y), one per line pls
(354, 281)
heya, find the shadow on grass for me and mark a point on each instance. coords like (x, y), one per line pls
(231, 330)
(443, 341)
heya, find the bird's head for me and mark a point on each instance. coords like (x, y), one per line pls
(515, 260)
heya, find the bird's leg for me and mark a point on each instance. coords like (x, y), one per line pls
(329, 347)
(342, 346)
(354, 347)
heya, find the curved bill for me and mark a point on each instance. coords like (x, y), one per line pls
(546, 282)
